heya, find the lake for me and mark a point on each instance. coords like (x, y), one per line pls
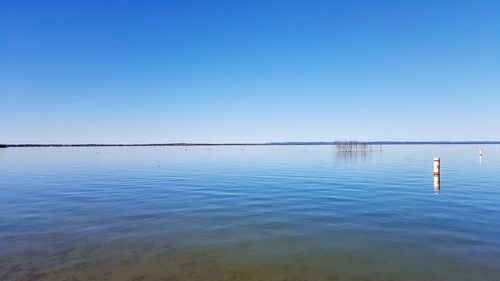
(249, 213)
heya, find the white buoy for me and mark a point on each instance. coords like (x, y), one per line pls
(437, 166)
(480, 151)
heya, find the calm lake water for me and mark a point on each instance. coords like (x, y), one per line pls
(249, 213)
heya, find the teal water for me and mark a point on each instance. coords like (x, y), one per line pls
(249, 213)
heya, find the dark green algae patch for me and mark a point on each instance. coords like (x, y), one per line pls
(134, 262)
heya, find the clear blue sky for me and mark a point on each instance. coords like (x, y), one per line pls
(248, 71)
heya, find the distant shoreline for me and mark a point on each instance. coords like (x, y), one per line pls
(248, 144)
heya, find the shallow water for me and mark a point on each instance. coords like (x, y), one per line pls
(249, 213)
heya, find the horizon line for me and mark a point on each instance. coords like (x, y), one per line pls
(244, 144)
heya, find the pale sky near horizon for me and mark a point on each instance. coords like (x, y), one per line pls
(248, 71)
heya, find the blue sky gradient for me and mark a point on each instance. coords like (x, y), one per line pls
(248, 71)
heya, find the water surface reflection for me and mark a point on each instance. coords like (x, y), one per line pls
(258, 213)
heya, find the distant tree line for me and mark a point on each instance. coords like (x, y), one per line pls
(341, 145)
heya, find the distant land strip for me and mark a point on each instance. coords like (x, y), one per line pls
(250, 144)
